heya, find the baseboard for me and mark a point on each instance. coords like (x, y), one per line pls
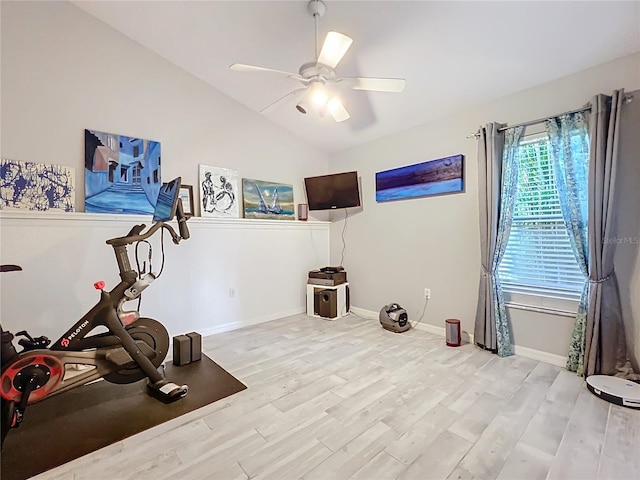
(226, 327)
(541, 356)
(526, 352)
(361, 312)
(425, 327)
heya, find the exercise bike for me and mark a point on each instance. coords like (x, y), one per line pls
(132, 348)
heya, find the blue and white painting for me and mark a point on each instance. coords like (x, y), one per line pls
(267, 200)
(122, 174)
(435, 177)
(36, 186)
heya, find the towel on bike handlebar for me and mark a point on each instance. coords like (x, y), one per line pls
(70, 425)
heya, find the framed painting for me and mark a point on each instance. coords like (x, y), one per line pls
(186, 198)
(435, 177)
(36, 186)
(267, 200)
(218, 192)
(122, 174)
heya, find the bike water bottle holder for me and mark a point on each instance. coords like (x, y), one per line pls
(135, 290)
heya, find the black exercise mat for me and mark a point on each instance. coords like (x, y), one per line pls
(72, 424)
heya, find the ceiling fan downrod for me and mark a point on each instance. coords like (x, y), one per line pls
(317, 8)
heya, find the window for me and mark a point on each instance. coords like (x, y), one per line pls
(136, 172)
(539, 262)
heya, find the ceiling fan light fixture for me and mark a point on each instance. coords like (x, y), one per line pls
(319, 96)
(303, 107)
(318, 78)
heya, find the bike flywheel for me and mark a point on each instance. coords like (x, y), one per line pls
(45, 370)
(152, 333)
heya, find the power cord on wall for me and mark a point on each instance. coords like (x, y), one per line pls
(344, 228)
(424, 309)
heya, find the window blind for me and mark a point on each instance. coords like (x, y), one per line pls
(538, 258)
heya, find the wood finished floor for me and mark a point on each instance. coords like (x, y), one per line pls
(347, 399)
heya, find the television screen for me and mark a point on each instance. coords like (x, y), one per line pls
(167, 201)
(339, 190)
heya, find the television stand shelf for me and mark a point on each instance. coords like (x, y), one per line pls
(328, 302)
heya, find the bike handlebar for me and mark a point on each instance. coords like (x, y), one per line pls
(136, 235)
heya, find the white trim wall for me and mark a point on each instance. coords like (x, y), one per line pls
(228, 275)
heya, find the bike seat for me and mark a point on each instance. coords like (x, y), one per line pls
(10, 268)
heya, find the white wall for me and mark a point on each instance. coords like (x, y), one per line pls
(229, 274)
(395, 249)
(64, 71)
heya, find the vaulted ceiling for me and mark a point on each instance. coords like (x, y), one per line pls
(452, 54)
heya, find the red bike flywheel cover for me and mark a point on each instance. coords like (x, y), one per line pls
(11, 393)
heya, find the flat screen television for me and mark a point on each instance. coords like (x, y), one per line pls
(339, 190)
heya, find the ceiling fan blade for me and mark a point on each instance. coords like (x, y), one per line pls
(393, 85)
(240, 67)
(290, 94)
(337, 110)
(334, 47)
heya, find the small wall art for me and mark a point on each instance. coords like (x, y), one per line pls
(122, 174)
(267, 200)
(186, 198)
(219, 192)
(435, 177)
(36, 186)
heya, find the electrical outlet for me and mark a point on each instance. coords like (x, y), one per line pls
(232, 293)
(427, 293)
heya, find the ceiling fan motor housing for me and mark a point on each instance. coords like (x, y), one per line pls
(317, 7)
(317, 72)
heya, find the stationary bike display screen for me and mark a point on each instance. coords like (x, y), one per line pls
(167, 201)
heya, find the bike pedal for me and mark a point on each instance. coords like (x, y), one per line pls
(167, 392)
(18, 417)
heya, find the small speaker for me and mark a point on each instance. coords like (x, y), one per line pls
(452, 329)
(328, 303)
(303, 211)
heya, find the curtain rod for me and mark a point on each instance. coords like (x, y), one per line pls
(532, 122)
(627, 99)
(541, 120)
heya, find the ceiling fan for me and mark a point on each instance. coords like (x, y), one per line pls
(319, 77)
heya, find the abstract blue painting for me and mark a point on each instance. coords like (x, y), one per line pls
(122, 174)
(36, 186)
(435, 177)
(267, 200)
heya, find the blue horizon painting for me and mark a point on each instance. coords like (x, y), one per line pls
(435, 177)
(122, 174)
